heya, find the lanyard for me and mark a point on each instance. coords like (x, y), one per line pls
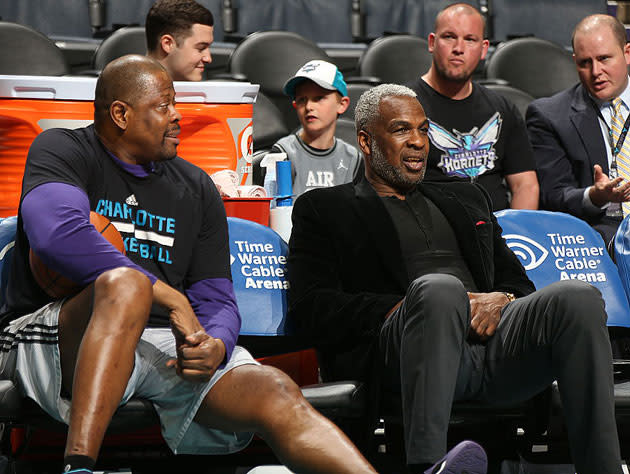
(615, 148)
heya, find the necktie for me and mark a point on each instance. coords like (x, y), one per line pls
(623, 150)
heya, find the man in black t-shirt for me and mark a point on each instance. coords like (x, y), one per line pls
(476, 135)
(159, 323)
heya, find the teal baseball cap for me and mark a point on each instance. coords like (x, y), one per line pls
(322, 73)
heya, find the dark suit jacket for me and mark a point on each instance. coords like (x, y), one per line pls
(567, 142)
(346, 268)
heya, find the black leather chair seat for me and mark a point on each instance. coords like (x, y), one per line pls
(345, 399)
(349, 399)
(17, 410)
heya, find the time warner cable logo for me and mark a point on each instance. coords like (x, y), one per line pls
(529, 251)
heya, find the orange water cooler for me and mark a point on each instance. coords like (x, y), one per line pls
(216, 123)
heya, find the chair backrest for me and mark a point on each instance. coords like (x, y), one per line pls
(398, 58)
(554, 246)
(519, 98)
(355, 89)
(268, 123)
(346, 130)
(536, 66)
(270, 58)
(25, 51)
(8, 227)
(127, 40)
(259, 257)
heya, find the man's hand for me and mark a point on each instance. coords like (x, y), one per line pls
(485, 310)
(198, 354)
(605, 190)
(183, 319)
(198, 357)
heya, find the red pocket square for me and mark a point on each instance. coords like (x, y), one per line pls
(480, 222)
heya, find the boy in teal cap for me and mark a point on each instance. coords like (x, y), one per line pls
(318, 158)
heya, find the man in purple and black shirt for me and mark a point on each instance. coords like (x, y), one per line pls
(160, 323)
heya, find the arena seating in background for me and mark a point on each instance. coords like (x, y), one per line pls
(519, 98)
(268, 123)
(399, 59)
(128, 40)
(25, 51)
(355, 89)
(340, 21)
(316, 20)
(346, 131)
(270, 58)
(552, 20)
(536, 66)
(415, 17)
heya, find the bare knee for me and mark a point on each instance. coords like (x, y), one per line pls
(122, 296)
(124, 285)
(281, 400)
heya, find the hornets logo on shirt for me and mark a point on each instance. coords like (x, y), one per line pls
(467, 155)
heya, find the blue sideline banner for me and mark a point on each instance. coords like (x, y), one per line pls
(258, 257)
(555, 246)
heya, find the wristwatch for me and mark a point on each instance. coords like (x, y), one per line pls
(509, 296)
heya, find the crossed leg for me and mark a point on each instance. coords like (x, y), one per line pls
(99, 330)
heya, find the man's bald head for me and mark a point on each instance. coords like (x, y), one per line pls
(593, 23)
(134, 110)
(126, 79)
(461, 9)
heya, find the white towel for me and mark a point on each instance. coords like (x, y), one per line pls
(226, 182)
(252, 191)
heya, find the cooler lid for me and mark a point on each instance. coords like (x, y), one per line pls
(82, 88)
(216, 92)
(47, 87)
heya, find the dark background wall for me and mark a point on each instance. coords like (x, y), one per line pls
(324, 21)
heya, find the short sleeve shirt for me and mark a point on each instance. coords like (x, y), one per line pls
(482, 137)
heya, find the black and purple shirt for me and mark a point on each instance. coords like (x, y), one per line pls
(169, 214)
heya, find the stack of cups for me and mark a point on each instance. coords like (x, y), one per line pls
(280, 216)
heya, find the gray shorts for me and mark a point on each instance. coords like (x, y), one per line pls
(29, 355)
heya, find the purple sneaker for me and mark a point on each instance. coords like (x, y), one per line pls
(465, 458)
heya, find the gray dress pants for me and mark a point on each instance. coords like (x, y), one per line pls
(557, 333)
